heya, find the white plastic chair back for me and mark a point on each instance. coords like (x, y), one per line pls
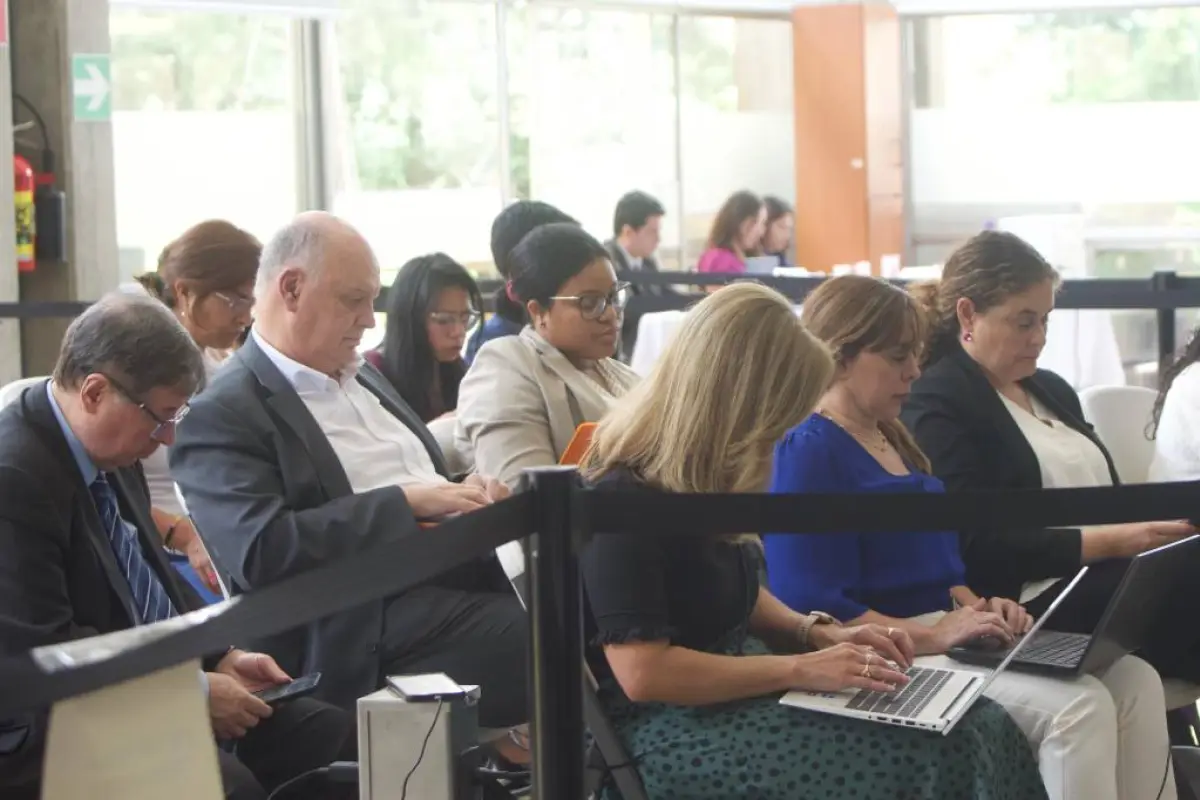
(12, 391)
(1121, 415)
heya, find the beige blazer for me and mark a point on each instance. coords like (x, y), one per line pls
(520, 403)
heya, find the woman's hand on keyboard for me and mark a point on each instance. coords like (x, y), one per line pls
(846, 666)
(1019, 620)
(894, 644)
(969, 622)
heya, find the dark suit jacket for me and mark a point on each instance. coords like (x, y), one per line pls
(271, 499)
(971, 439)
(621, 265)
(59, 579)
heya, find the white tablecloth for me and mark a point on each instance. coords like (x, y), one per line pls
(1081, 346)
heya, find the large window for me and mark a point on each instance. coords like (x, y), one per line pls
(593, 112)
(203, 125)
(1086, 114)
(737, 128)
(416, 145)
(431, 117)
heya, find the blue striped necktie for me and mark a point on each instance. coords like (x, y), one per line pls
(151, 599)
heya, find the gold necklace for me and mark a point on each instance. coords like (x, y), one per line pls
(876, 441)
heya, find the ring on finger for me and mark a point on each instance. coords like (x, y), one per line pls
(866, 673)
(891, 632)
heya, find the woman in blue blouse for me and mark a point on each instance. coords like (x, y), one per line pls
(1096, 738)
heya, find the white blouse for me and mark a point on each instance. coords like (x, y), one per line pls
(1067, 458)
(1177, 442)
(158, 471)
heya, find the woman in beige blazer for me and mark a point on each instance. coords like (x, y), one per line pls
(523, 397)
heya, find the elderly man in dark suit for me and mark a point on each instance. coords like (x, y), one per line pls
(80, 555)
(300, 453)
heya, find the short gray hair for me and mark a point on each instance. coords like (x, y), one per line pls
(134, 339)
(297, 244)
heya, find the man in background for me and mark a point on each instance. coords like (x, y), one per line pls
(637, 231)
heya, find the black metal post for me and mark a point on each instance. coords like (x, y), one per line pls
(556, 637)
(1164, 281)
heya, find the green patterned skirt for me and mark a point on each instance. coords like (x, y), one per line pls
(766, 751)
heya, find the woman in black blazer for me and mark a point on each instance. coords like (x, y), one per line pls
(988, 418)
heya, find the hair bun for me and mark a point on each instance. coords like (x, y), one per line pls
(153, 283)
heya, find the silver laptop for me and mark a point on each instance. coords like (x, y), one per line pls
(761, 265)
(935, 698)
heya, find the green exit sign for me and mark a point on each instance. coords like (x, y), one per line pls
(91, 85)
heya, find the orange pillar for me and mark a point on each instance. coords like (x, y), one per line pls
(849, 134)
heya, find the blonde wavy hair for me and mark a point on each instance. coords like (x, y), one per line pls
(741, 371)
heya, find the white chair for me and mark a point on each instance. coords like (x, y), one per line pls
(1121, 416)
(10, 392)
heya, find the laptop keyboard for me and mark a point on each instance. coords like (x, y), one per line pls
(1055, 649)
(910, 701)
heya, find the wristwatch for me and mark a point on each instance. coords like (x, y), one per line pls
(806, 625)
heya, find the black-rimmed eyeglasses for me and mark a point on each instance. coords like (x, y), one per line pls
(592, 305)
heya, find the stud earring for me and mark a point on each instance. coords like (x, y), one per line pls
(967, 337)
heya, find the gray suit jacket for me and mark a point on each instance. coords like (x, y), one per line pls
(272, 500)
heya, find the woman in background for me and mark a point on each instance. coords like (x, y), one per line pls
(777, 235)
(1176, 424)
(736, 234)
(525, 395)
(1097, 737)
(432, 304)
(206, 277)
(692, 653)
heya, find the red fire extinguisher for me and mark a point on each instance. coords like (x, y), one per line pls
(24, 183)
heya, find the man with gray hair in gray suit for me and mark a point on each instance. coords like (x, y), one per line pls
(300, 453)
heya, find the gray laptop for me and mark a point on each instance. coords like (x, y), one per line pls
(935, 698)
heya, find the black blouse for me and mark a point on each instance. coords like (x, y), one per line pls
(691, 591)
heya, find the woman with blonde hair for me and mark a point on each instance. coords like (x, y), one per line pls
(692, 653)
(1100, 737)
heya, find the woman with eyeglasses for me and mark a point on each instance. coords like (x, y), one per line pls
(432, 305)
(524, 396)
(206, 277)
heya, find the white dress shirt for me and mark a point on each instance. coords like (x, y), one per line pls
(634, 263)
(158, 472)
(375, 448)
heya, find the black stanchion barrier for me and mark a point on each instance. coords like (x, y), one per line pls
(579, 514)
(1162, 293)
(556, 635)
(563, 514)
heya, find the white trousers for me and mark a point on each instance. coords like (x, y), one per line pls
(1097, 738)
